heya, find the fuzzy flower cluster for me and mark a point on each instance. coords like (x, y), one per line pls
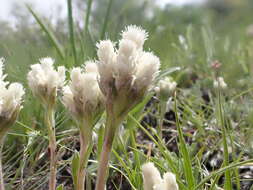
(165, 88)
(220, 83)
(45, 81)
(10, 98)
(153, 181)
(126, 73)
(82, 95)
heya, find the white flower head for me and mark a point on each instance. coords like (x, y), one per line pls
(90, 67)
(220, 83)
(106, 61)
(45, 81)
(147, 69)
(126, 73)
(135, 34)
(168, 182)
(82, 96)
(125, 66)
(11, 97)
(165, 88)
(152, 179)
(151, 176)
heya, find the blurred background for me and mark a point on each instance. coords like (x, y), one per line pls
(22, 41)
(188, 33)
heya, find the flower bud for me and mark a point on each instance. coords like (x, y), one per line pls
(165, 88)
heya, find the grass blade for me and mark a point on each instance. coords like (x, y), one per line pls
(221, 171)
(167, 72)
(49, 33)
(228, 179)
(87, 17)
(183, 150)
(106, 19)
(71, 31)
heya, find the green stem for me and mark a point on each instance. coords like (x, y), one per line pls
(162, 110)
(110, 130)
(1, 169)
(85, 150)
(52, 147)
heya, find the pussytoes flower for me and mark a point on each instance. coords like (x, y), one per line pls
(82, 95)
(84, 100)
(125, 76)
(126, 73)
(45, 81)
(11, 97)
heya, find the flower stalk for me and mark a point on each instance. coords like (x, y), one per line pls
(50, 123)
(162, 111)
(164, 90)
(111, 127)
(85, 150)
(1, 168)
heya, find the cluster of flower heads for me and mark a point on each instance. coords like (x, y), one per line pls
(220, 83)
(82, 95)
(122, 74)
(127, 72)
(45, 81)
(10, 97)
(129, 64)
(152, 179)
(165, 88)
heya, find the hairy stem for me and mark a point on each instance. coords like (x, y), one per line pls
(162, 110)
(110, 130)
(85, 150)
(52, 147)
(1, 169)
